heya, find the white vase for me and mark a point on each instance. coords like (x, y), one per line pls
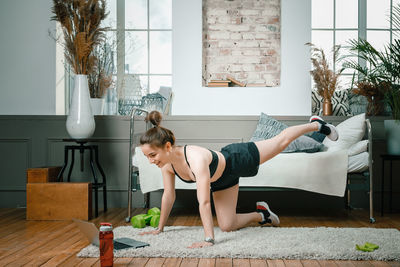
(392, 130)
(97, 105)
(80, 120)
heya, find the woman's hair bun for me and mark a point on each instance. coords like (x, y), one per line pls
(154, 117)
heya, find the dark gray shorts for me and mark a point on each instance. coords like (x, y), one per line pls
(242, 160)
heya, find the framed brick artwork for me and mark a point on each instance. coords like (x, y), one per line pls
(241, 43)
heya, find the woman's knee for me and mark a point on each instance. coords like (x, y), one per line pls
(227, 225)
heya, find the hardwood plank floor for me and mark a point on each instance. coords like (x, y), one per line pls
(56, 243)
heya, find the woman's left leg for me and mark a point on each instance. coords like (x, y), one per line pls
(269, 148)
(225, 202)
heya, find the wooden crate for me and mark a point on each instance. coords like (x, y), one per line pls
(58, 201)
(42, 174)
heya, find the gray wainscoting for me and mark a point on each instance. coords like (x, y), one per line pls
(35, 141)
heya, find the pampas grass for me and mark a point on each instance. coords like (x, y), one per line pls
(326, 80)
(80, 21)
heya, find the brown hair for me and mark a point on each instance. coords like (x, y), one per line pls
(157, 136)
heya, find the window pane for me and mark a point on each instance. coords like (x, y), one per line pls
(378, 39)
(378, 14)
(160, 52)
(324, 40)
(136, 14)
(342, 39)
(144, 82)
(160, 14)
(396, 4)
(346, 13)
(110, 48)
(136, 52)
(157, 81)
(345, 81)
(111, 19)
(322, 14)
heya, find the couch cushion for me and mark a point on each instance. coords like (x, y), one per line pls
(358, 148)
(350, 132)
(269, 127)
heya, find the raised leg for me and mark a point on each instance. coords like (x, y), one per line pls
(271, 147)
(225, 202)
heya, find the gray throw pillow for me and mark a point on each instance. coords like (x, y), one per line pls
(269, 127)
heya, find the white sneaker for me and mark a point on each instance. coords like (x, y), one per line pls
(267, 214)
(325, 128)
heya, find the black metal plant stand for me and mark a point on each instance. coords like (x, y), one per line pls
(93, 149)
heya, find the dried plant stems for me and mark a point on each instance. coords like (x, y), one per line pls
(80, 21)
(375, 95)
(326, 80)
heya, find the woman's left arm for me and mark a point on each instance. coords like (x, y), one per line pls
(203, 196)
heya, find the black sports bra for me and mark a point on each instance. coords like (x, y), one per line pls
(213, 165)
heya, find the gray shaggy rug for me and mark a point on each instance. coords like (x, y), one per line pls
(322, 243)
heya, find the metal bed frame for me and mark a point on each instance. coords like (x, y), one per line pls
(364, 180)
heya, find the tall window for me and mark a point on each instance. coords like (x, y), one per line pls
(140, 39)
(335, 22)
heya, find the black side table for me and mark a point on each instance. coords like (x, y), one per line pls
(389, 158)
(93, 149)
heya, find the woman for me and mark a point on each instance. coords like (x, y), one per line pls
(218, 172)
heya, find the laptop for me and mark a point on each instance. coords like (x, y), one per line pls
(92, 234)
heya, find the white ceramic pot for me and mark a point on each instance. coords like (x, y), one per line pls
(392, 130)
(80, 120)
(97, 105)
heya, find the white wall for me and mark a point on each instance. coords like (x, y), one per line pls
(27, 58)
(292, 97)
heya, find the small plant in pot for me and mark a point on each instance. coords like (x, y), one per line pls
(325, 79)
(375, 94)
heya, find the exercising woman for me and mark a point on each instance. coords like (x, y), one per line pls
(218, 172)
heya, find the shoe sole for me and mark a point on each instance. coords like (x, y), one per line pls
(273, 217)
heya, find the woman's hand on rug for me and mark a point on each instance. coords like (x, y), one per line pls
(200, 244)
(154, 232)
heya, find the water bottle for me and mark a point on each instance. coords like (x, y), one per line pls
(106, 238)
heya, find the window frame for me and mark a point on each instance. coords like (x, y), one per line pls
(362, 28)
(120, 31)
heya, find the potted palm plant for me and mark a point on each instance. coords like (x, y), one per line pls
(382, 71)
(81, 26)
(326, 80)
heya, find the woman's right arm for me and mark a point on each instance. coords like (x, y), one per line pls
(167, 201)
(168, 197)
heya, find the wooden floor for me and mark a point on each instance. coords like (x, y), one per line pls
(56, 243)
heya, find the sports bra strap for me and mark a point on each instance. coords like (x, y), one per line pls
(184, 151)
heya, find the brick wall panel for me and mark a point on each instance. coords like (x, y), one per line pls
(242, 39)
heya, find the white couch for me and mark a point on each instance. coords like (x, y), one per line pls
(327, 172)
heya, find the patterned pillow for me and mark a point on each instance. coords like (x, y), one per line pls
(340, 103)
(316, 105)
(269, 127)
